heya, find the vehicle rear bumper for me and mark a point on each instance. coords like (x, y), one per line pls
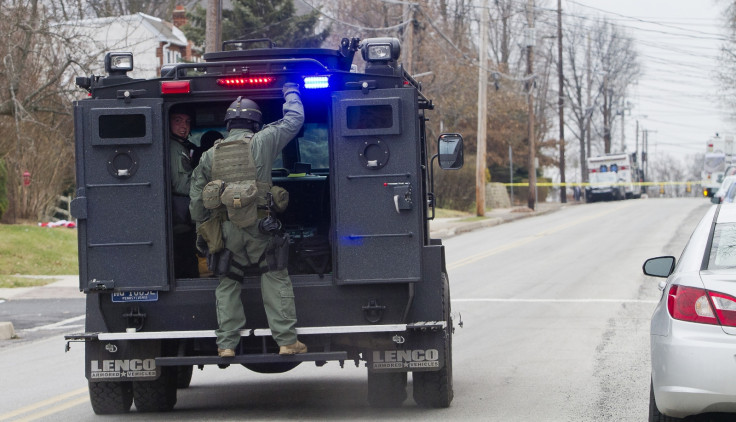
(693, 370)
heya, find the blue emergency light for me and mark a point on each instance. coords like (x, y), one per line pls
(315, 82)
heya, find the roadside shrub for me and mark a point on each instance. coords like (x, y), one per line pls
(455, 189)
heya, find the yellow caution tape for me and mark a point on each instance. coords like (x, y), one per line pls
(558, 184)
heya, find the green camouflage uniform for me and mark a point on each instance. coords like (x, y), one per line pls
(185, 254)
(248, 244)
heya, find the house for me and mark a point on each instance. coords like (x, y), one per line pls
(153, 41)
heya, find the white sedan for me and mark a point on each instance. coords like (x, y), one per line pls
(693, 329)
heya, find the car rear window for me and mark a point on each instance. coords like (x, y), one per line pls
(723, 248)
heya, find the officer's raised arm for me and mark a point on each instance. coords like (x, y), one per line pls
(285, 129)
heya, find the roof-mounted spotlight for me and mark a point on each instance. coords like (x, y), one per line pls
(381, 50)
(118, 64)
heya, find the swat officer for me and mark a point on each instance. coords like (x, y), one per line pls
(230, 184)
(181, 149)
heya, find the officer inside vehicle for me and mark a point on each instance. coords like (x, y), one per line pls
(232, 199)
(181, 150)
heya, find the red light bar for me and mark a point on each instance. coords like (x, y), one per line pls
(623, 168)
(175, 87)
(240, 82)
(593, 171)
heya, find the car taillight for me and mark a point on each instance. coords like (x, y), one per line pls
(725, 308)
(690, 304)
(697, 305)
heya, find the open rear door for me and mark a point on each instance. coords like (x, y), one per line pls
(121, 193)
(378, 209)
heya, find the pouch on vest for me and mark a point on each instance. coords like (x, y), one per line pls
(240, 200)
(211, 194)
(280, 198)
(211, 232)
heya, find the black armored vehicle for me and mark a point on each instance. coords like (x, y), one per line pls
(371, 286)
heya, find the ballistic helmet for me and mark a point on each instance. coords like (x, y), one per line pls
(243, 108)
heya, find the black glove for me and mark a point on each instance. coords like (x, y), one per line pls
(202, 245)
(290, 87)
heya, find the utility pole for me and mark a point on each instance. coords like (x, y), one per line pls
(213, 34)
(408, 36)
(636, 147)
(561, 104)
(480, 158)
(530, 103)
(589, 102)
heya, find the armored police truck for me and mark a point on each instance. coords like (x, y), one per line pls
(370, 284)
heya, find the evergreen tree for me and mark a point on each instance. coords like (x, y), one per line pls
(251, 19)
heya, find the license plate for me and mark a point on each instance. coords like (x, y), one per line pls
(141, 296)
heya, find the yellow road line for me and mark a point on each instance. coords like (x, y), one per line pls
(55, 409)
(524, 240)
(47, 402)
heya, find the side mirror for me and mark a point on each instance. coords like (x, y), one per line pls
(450, 148)
(659, 267)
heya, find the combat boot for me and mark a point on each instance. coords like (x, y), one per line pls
(225, 353)
(293, 349)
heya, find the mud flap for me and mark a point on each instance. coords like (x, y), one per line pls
(122, 360)
(418, 352)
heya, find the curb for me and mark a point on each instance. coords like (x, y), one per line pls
(457, 227)
(6, 331)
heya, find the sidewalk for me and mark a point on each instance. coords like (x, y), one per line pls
(67, 286)
(63, 287)
(443, 228)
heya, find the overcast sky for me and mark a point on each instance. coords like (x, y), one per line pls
(678, 43)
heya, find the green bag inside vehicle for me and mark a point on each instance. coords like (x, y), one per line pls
(280, 198)
(240, 200)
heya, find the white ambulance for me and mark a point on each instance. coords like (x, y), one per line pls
(628, 174)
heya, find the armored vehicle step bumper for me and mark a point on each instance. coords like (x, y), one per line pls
(261, 332)
(246, 359)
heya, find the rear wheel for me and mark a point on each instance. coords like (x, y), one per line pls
(386, 389)
(158, 395)
(434, 389)
(184, 376)
(108, 398)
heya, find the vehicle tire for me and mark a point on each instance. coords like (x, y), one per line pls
(654, 414)
(434, 389)
(109, 398)
(271, 368)
(386, 389)
(184, 376)
(158, 395)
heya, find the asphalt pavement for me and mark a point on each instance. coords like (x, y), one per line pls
(67, 286)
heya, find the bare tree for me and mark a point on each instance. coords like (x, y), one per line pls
(727, 59)
(600, 65)
(38, 57)
(105, 8)
(619, 69)
(666, 168)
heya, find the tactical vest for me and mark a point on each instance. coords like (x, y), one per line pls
(233, 165)
(232, 161)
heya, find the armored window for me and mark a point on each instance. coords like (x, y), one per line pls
(122, 126)
(370, 117)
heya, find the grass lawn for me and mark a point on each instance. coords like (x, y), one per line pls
(32, 250)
